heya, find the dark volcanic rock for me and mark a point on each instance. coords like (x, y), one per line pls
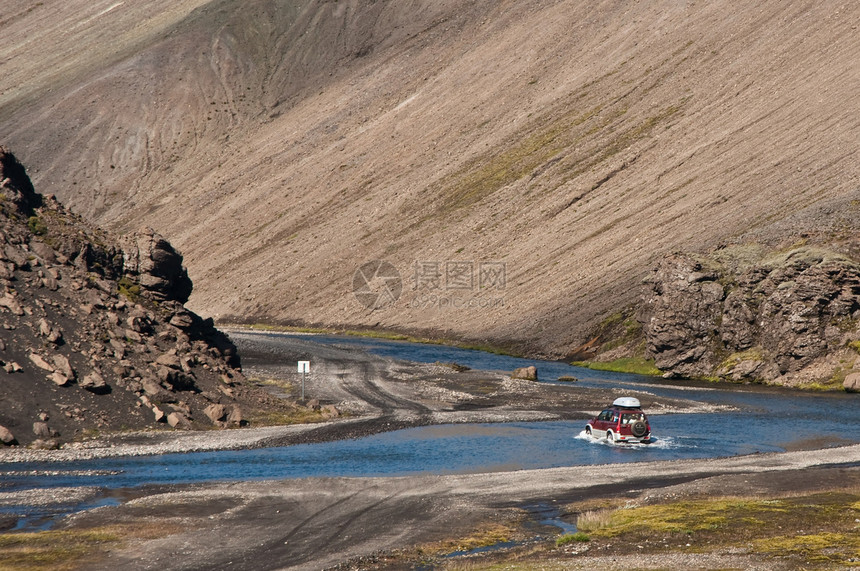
(682, 315)
(761, 320)
(95, 337)
(15, 185)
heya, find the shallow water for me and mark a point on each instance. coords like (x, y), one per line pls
(764, 420)
(764, 423)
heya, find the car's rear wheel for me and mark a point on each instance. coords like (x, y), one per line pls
(610, 436)
(639, 429)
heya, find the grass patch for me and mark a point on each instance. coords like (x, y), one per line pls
(821, 527)
(816, 548)
(70, 549)
(486, 174)
(128, 288)
(830, 386)
(578, 537)
(855, 345)
(37, 226)
(634, 365)
(733, 360)
(484, 536)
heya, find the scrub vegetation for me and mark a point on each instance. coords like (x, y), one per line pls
(811, 531)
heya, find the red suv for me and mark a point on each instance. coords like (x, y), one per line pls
(624, 421)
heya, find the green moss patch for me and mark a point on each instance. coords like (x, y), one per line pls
(634, 365)
(819, 528)
(69, 549)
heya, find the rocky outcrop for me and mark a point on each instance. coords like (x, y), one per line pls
(156, 266)
(17, 191)
(766, 320)
(94, 336)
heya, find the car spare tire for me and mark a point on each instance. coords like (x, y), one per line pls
(639, 429)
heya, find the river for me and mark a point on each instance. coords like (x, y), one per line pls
(755, 419)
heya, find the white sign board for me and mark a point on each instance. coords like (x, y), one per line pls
(304, 366)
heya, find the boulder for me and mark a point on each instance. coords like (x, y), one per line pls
(42, 430)
(41, 362)
(215, 412)
(12, 367)
(59, 379)
(235, 417)
(182, 320)
(43, 250)
(62, 365)
(45, 444)
(169, 360)
(525, 373)
(178, 419)
(133, 336)
(10, 303)
(17, 256)
(95, 383)
(331, 411)
(852, 383)
(16, 186)
(153, 389)
(6, 436)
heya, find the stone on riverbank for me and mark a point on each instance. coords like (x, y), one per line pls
(525, 373)
(852, 383)
(6, 436)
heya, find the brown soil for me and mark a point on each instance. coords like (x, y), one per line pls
(280, 146)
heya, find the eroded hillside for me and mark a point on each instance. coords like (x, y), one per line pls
(569, 144)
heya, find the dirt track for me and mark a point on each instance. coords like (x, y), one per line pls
(315, 524)
(351, 522)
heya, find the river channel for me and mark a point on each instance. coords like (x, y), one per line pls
(755, 419)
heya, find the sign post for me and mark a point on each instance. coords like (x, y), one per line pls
(304, 368)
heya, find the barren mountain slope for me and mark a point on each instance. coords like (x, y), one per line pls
(280, 145)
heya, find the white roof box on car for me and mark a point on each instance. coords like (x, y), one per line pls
(627, 402)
